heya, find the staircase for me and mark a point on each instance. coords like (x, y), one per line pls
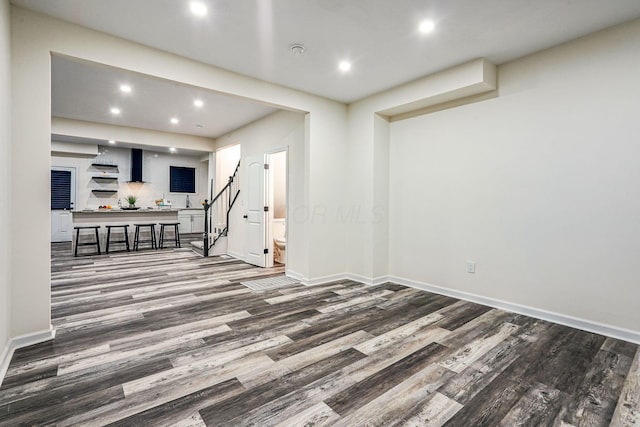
(216, 217)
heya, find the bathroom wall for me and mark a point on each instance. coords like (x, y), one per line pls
(278, 168)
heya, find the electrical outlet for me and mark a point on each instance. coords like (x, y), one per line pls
(471, 267)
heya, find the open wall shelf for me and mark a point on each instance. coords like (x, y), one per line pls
(100, 165)
(105, 178)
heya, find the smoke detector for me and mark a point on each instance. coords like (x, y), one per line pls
(297, 49)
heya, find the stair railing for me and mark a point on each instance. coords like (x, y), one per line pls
(218, 209)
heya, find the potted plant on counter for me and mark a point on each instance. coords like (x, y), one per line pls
(132, 201)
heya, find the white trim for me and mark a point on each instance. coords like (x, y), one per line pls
(367, 281)
(20, 342)
(562, 319)
(5, 359)
(323, 279)
(335, 277)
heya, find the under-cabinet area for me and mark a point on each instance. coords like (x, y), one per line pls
(191, 220)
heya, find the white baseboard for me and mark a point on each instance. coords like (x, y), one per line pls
(20, 342)
(366, 280)
(5, 359)
(335, 277)
(562, 319)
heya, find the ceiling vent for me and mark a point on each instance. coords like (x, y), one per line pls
(297, 49)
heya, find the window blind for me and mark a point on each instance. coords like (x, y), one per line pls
(60, 189)
(182, 179)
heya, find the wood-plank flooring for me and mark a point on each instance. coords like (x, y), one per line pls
(168, 338)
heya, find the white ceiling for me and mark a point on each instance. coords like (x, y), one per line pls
(87, 91)
(253, 37)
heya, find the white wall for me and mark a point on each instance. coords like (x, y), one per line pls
(533, 185)
(34, 37)
(279, 130)
(227, 159)
(155, 174)
(365, 212)
(538, 186)
(278, 169)
(148, 137)
(5, 178)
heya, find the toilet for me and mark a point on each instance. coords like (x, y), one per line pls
(279, 240)
(280, 250)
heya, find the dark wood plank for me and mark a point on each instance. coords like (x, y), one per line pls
(177, 410)
(225, 412)
(376, 384)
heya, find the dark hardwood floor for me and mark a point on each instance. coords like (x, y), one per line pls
(169, 338)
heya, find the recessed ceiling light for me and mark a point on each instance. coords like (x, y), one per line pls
(115, 110)
(174, 120)
(426, 27)
(198, 103)
(344, 66)
(172, 149)
(125, 88)
(111, 141)
(198, 8)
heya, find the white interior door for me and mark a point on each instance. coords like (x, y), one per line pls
(256, 215)
(63, 196)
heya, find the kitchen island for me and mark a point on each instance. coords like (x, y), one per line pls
(129, 217)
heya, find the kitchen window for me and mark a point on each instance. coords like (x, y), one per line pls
(182, 179)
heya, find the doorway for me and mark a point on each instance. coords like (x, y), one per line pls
(63, 200)
(266, 210)
(277, 199)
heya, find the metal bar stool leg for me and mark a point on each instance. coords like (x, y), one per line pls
(161, 236)
(75, 252)
(154, 243)
(108, 239)
(126, 237)
(136, 238)
(98, 241)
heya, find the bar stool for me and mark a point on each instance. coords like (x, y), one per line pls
(152, 240)
(176, 233)
(95, 243)
(126, 236)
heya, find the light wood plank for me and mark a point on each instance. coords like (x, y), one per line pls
(627, 412)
